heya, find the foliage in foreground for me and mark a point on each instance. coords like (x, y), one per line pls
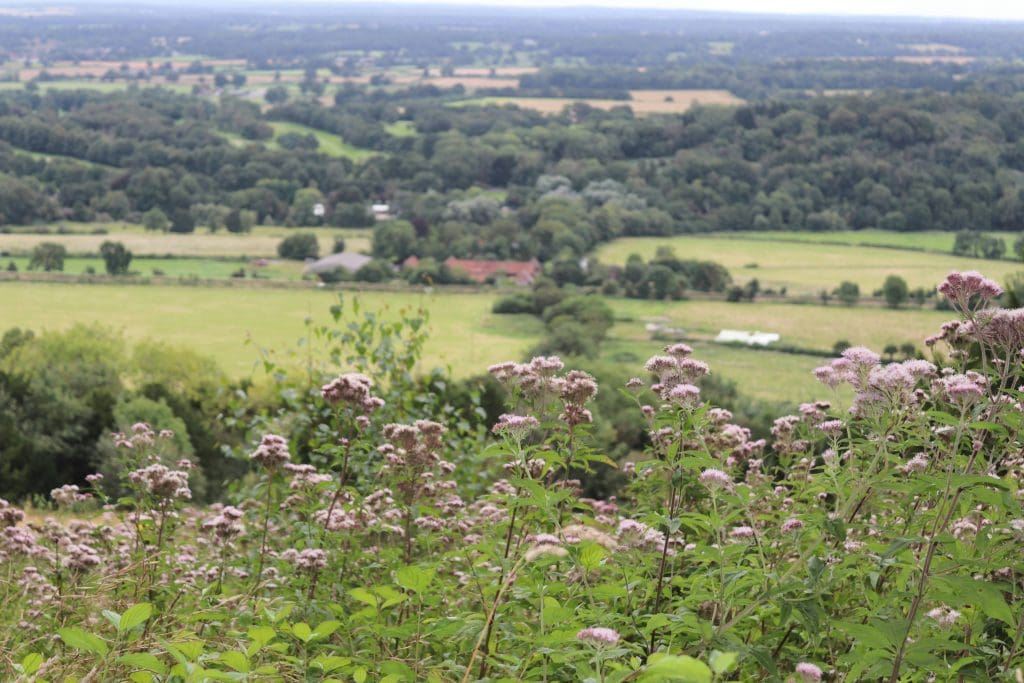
(882, 543)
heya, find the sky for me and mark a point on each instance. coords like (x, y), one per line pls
(1008, 10)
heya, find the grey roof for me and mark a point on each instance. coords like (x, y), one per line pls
(346, 260)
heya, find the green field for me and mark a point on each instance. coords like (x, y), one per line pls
(330, 144)
(807, 268)
(805, 326)
(216, 322)
(401, 129)
(261, 242)
(465, 335)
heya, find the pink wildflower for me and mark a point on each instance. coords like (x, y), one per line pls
(808, 672)
(599, 635)
(715, 479)
(272, 452)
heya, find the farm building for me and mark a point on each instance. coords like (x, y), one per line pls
(381, 212)
(748, 338)
(349, 261)
(520, 272)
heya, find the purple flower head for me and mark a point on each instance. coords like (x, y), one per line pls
(272, 452)
(715, 479)
(515, 426)
(962, 288)
(808, 672)
(599, 635)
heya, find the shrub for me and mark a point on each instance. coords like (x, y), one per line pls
(116, 257)
(49, 256)
(299, 247)
(895, 291)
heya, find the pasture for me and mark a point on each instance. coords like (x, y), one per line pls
(464, 334)
(329, 144)
(805, 326)
(807, 268)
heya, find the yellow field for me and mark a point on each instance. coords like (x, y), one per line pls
(261, 242)
(642, 102)
(806, 268)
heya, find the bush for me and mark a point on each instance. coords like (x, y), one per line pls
(299, 247)
(375, 271)
(116, 257)
(49, 256)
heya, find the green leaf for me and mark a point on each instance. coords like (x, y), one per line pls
(722, 662)
(681, 669)
(134, 615)
(141, 677)
(592, 555)
(359, 675)
(364, 596)
(84, 641)
(414, 579)
(329, 663)
(261, 635)
(398, 671)
(302, 631)
(113, 617)
(325, 629)
(31, 662)
(190, 649)
(983, 594)
(143, 660)
(236, 660)
(865, 634)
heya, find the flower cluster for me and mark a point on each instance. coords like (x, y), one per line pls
(353, 388)
(272, 452)
(162, 482)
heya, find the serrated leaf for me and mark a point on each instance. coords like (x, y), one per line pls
(680, 669)
(326, 628)
(329, 663)
(414, 579)
(134, 615)
(302, 631)
(84, 641)
(261, 635)
(364, 596)
(31, 662)
(143, 660)
(236, 660)
(722, 662)
(113, 617)
(592, 555)
(191, 649)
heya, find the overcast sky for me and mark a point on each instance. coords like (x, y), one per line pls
(1012, 10)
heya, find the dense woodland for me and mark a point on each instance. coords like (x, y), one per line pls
(508, 183)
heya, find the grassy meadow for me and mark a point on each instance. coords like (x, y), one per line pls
(805, 267)
(464, 334)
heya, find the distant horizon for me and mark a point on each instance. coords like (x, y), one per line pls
(980, 10)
